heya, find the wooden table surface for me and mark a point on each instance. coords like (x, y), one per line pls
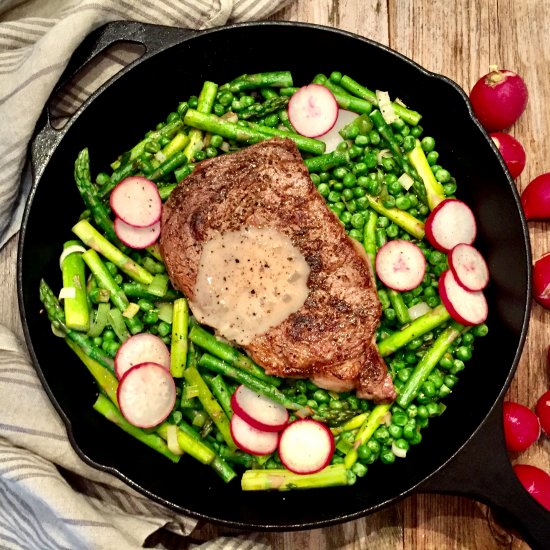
(459, 39)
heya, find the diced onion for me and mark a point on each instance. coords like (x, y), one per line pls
(386, 419)
(131, 310)
(67, 292)
(400, 453)
(418, 310)
(304, 412)
(172, 440)
(383, 153)
(160, 156)
(400, 102)
(385, 106)
(406, 181)
(225, 146)
(70, 250)
(230, 116)
(57, 332)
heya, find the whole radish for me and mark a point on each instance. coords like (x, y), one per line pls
(512, 152)
(541, 281)
(521, 426)
(542, 409)
(536, 482)
(498, 99)
(535, 198)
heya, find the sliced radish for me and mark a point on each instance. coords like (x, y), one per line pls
(400, 265)
(312, 110)
(306, 446)
(136, 201)
(259, 411)
(146, 395)
(137, 237)
(332, 138)
(251, 440)
(469, 267)
(464, 306)
(450, 223)
(141, 348)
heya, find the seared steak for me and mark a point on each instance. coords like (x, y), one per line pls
(331, 338)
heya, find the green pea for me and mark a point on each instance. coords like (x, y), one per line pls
(423, 210)
(394, 188)
(334, 196)
(402, 444)
(468, 338)
(363, 452)
(321, 396)
(395, 431)
(216, 140)
(428, 144)
(358, 221)
(374, 188)
(323, 189)
(360, 470)
(383, 222)
(392, 231)
(449, 189)
(390, 314)
(370, 160)
(414, 344)
(388, 164)
(301, 399)
(247, 100)
(145, 305)
(111, 268)
(450, 380)
(416, 438)
(442, 175)
(199, 155)
(335, 77)
(349, 180)
(409, 143)
(464, 353)
(111, 347)
(403, 202)
(374, 137)
(458, 366)
(225, 98)
(108, 334)
(354, 151)
(164, 329)
(422, 423)
(324, 176)
(433, 301)
(423, 412)
(336, 185)
(97, 340)
(359, 192)
(339, 172)
(182, 108)
(151, 317)
(342, 146)
(412, 410)
(211, 152)
(336, 404)
(398, 138)
(193, 102)
(387, 456)
(351, 206)
(347, 194)
(338, 207)
(432, 157)
(409, 430)
(416, 131)
(218, 109)
(481, 330)
(410, 358)
(404, 374)
(443, 391)
(388, 202)
(361, 140)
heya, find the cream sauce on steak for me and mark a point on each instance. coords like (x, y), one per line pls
(249, 281)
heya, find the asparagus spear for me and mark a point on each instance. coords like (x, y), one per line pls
(229, 354)
(216, 365)
(137, 290)
(105, 280)
(369, 237)
(344, 100)
(374, 419)
(248, 134)
(401, 218)
(180, 325)
(258, 110)
(322, 163)
(188, 444)
(398, 304)
(92, 238)
(409, 116)
(434, 190)
(221, 393)
(210, 404)
(284, 480)
(418, 327)
(169, 165)
(425, 366)
(105, 407)
(77, 310)
(57, 319)
(275, 79)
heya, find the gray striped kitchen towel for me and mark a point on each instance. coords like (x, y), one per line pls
(49, 498)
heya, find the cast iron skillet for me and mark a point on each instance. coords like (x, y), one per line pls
(463, 451)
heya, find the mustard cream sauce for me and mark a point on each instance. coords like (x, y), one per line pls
(248, 282)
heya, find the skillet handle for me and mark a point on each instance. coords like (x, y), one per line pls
(482, 470)
(154, 38)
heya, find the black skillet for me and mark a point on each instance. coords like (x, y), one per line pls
(463, 451)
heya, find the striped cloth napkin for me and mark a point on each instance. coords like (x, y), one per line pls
(49, 498)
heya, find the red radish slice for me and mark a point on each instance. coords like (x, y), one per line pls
(259, 411)
(306, 446)
(141, 348)
(137, 237)
(146, 395)
(251, 440)
(450, 223)
(332, 138)
(464, 306)
(469, 267)
(312, 110)
(136, 201)
(400, 265)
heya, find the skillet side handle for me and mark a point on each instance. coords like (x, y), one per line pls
(482, 470)
(154, 38)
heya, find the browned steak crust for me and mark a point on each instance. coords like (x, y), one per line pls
(267, 185)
